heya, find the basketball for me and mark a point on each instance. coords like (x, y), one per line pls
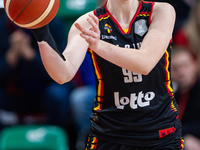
(31, 14)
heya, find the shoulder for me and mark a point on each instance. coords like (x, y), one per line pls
(163, 6)
(74, 33)
(164, 9)
(81, 20)
(163, 14)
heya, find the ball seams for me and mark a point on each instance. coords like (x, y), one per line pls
(22, 10)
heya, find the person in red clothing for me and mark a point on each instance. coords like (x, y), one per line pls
(184, 74)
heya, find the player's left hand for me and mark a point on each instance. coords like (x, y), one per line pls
(92, 35)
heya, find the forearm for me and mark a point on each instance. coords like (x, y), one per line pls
(62, 70)
(132, 59)
(153, 46)
(59, 70)
(53, 60)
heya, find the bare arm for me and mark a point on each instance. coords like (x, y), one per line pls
(63, 71)
(153, 45)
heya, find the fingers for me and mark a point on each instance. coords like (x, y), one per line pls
(91, 34)
(78, 26)
(84, 30)
(94, 22)
(95, 27)
(88, 32)
(89, 39)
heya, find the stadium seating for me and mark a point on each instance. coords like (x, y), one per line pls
(33, 137)
(70, 10)
(74, 8)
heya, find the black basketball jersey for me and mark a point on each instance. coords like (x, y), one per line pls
(132, 108)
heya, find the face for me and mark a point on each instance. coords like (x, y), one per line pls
(183, 69)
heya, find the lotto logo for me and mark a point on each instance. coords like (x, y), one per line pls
(142, 100)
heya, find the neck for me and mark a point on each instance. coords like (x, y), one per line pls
(123, 10)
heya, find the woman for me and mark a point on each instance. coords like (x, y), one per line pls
(129, 44)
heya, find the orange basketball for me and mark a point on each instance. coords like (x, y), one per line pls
(31, 14)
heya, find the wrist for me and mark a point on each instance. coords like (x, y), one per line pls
(43, 34)
(98, 46)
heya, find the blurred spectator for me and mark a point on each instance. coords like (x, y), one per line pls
(184, 74)
(182, 8)
(189, 34)
(25, 86)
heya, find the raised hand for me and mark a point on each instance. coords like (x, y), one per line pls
(20, 47)
(92, 35)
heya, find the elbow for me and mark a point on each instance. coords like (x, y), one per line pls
(59, 81)
(146, 70)
(62, 79)
(147, 66)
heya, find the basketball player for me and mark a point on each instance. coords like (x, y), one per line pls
(129, 42)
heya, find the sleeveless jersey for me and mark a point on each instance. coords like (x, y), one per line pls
(131, 108)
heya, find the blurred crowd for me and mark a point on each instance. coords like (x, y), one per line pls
(185, 73)
(27, 90)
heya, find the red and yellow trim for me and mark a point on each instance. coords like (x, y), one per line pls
(91, 143)
(100, 82)
(145, 14)
(172, 106)
(168, 78)
(182, 143)
(150, 13)
(117, 23)
(101, 17)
